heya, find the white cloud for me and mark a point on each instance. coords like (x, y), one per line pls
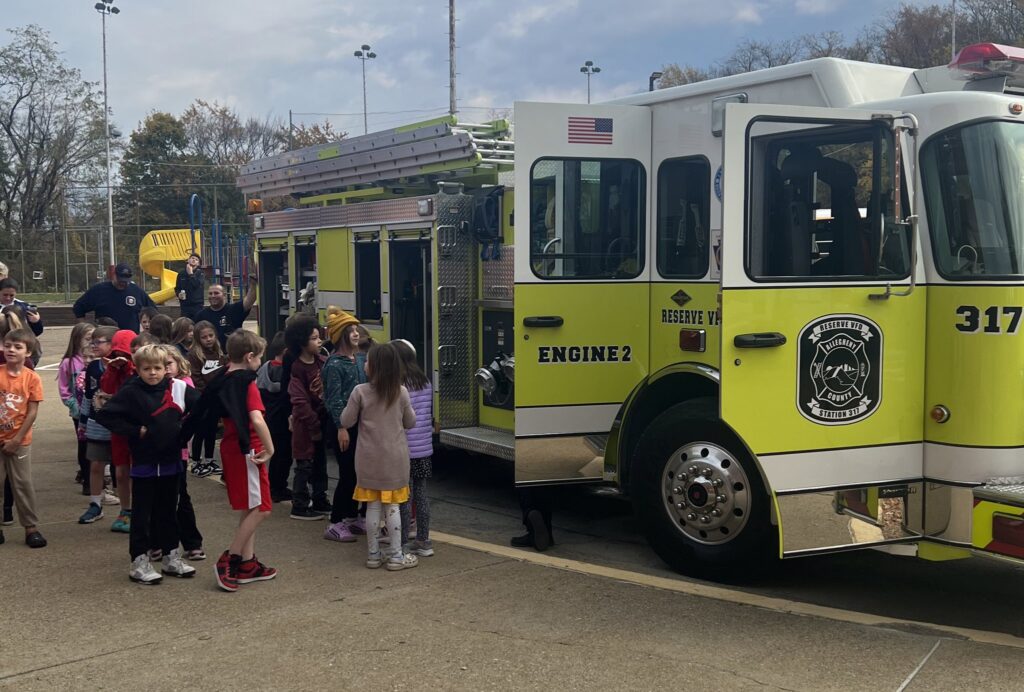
(748, 14)
(817, 6)
(524, 19)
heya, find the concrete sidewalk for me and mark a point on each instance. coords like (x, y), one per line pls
(463, 619)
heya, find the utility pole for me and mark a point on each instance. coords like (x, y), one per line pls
(104, 8)
(952, 48)
(291, 131)
(451, 57)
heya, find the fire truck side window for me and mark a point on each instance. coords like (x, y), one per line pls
(368, 280)
(820, 205)
(587, 218)
(684, 211)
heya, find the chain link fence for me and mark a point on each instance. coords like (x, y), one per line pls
(57, 266)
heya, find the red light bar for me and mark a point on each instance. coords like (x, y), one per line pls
(983, 60)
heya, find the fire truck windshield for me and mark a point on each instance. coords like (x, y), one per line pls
(973, 180)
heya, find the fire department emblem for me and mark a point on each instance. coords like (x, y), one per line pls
(840, 375)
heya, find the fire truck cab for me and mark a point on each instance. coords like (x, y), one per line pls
(780, 310)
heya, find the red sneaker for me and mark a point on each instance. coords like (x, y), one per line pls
(254, 570)
(227, 571)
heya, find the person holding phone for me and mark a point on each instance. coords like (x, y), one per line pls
(8, 296)
(189, 287)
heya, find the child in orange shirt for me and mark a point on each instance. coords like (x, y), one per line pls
(21, 390)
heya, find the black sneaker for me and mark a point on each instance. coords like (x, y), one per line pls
(305, 514)
(524, 541)
(321, 506)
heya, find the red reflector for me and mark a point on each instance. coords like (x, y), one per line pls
(692, 340)
(1008, 529)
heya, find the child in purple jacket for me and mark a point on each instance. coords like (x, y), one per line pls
(421, 448)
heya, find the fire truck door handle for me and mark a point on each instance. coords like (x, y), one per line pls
(543, 321)
(759, 340)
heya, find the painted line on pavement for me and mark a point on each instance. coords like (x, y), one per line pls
(721, 593)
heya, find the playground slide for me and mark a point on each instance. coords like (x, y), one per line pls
(159, 247)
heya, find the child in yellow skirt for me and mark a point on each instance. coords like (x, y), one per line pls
(382, 409)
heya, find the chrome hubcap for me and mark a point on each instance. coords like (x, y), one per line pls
(706, 493)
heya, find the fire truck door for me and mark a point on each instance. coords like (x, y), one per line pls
(822, 364)
(581, 293)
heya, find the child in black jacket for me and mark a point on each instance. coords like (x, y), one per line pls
(148, 411)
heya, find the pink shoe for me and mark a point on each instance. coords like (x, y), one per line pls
(339, 532)
(356, 526)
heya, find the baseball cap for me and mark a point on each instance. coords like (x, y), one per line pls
(123, 271)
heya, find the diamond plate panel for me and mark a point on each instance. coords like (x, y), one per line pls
(457, 329)
(498, 276)
(388, 211)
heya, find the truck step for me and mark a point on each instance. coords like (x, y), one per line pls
(998, 518)
(1002, 493)
(491, 441)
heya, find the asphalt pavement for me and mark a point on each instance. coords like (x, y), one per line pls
(598, 611)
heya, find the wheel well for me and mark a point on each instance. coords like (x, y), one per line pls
(649, 402)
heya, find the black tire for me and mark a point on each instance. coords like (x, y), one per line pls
(752, 544)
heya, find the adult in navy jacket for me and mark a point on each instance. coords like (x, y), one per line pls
(119, 299)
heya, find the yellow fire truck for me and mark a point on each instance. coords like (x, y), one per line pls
(781, 310)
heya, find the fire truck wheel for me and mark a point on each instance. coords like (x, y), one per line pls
(699, 497)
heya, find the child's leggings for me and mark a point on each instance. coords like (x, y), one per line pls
(204, 442)
(392, 520)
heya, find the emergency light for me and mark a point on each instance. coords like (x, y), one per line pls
(983, 60)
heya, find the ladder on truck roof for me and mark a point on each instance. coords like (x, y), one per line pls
(434, 149)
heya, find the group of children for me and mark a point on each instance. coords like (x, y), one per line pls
(371, 405)
(137, 399)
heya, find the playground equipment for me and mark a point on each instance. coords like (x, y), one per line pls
(162, 246)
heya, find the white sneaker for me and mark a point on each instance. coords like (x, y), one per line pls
(401, 561)
(110, 498)
(374, 560)
(176, 567)
(142, 571)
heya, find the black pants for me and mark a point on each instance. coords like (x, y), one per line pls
(204, 441)
(311, 473)
(83, 463)
(154, 508)
(344, 507)
(281, 462)
(8, 496)
(188, 532)
(535, 498)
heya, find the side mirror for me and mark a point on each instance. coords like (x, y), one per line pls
(902, 133)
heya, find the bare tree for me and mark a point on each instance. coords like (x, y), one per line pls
(317, 133)
(753, 55)
(675, 75)
(218, 134)
(827, 44)
(912, 36)
(51, 130)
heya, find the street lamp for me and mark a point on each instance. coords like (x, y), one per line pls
(655, 76)
(588, 69)
(364, 54)
(106, 7)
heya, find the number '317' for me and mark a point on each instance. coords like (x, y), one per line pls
(993, 320)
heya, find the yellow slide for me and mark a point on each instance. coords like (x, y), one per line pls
(158, 247)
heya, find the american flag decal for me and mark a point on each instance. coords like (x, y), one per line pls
(590, 130)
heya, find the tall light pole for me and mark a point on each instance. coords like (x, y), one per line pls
(588, 69)
(952, 47)
(106, 7)
(365, 54)
(655, 76)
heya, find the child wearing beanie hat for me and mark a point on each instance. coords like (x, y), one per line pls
(337, 319)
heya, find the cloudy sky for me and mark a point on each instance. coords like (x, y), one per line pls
(264, 57)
